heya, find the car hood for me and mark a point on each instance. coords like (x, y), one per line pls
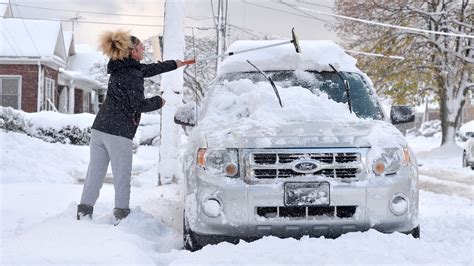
(361, 133)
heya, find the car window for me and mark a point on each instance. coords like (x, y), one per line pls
(364, 103)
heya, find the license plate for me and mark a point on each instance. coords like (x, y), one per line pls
(306, 194)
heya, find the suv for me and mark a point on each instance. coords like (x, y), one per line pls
(292, 144)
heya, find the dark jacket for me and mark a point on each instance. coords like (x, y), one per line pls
(121, 111)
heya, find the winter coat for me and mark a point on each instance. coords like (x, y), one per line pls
(121, 111)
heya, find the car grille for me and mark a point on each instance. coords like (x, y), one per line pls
(279, 163)
(301, 212)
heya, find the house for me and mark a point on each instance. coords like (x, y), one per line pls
(40, 68)
(79, 89)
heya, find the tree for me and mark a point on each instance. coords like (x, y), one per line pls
(198, 75)
(436, 63)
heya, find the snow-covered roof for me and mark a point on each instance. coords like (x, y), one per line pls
(80, 67)
(31, 38)
(69, 42)
(80, 80)
(4, 8)
(315, 55)
(84, 61)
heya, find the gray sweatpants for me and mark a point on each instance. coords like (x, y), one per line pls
(118, 150)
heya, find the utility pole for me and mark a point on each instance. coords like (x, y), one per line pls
(169, 163)
(222, 12)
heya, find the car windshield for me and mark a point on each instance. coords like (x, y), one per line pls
(364, 103)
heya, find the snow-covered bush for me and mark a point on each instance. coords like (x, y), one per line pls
(67, 135)
(11, 120)
(430, 128)
(70, 128)
(45, 126)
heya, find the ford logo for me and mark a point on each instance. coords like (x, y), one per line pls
(305, 166)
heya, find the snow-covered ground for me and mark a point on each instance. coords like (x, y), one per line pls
(441, 167)
(40, 191)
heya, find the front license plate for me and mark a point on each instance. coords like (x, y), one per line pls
(307, 194)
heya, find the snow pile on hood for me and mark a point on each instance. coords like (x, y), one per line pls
(315, 55)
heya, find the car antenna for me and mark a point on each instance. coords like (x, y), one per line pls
(346, 86)
(270, 80)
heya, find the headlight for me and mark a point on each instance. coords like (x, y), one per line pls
(391, 160)
(225, 161)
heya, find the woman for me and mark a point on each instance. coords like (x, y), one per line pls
(117, 121)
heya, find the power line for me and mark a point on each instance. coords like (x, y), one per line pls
(99, 13)
(314, 4)
(376, 55)
(9, 43)
(111, 23)
(93, 22)
(29, 34)
(384, 24)
(287, 12)
(80, 11)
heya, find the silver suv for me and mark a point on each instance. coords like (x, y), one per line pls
(308, 173)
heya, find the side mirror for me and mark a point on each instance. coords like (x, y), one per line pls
(186, 115)
(400, 114)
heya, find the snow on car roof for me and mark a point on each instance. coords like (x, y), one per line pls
(467, 127)
(315, 55)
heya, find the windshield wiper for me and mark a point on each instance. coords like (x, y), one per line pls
(270, 80)
(346, 86)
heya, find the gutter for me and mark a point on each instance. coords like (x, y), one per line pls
(38, 101)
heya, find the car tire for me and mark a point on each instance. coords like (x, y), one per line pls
(416, 232)
(189, 239)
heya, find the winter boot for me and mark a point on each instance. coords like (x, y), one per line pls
(120, 214)
(84, 210)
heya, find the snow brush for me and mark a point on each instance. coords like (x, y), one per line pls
(294, 41)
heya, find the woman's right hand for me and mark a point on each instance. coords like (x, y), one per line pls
(179, 63)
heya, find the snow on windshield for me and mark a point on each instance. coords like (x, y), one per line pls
(255, 104)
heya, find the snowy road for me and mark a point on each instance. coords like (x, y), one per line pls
(41, 229)
(38, 209)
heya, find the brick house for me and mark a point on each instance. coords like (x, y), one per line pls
(35, 74)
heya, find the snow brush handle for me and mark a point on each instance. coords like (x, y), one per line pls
(189, 62)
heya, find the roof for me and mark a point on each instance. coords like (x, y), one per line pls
(84, 61)
(80, 67)
(315, 55)
(31, 38)
(69, 42)
(5, 9)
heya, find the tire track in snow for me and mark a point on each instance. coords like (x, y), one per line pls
(450, 188)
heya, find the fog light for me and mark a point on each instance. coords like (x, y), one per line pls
(399, 204)
(211, 208)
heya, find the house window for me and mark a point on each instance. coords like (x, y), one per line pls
(48, 95)
(10, 91)
(86, 102)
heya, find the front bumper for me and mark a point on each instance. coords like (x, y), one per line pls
(249, 211)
